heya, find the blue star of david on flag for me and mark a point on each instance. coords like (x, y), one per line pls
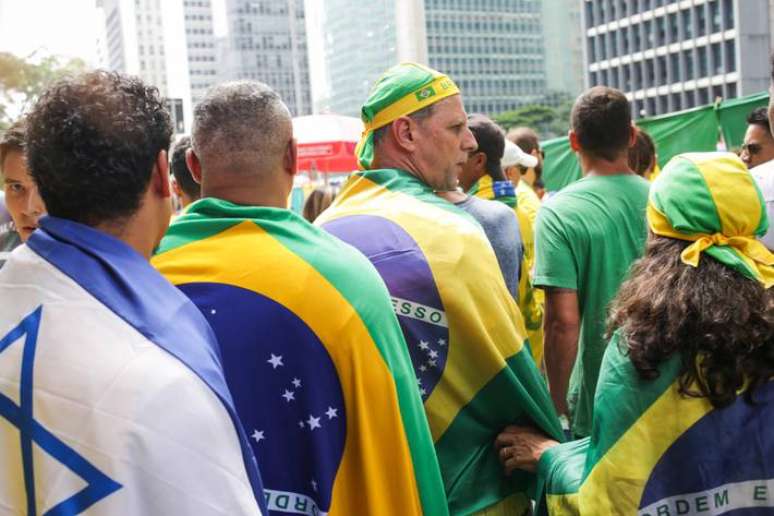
(98, 485)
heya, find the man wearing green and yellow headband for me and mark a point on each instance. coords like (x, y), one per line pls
(465, 334)
(685, 400)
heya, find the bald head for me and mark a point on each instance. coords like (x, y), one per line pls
(241, 128)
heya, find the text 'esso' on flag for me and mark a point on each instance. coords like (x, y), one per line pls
(418, 311)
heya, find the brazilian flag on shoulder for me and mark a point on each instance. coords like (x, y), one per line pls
(314, 358)
(464, 332)
(646, 436)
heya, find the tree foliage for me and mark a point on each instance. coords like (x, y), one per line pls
(550, 117)
(22, 80)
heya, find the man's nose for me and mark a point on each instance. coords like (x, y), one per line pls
(469, 143)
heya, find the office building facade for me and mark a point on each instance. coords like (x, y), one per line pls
(669, 55)
(267, 42)
(492, 49)
(169, 44)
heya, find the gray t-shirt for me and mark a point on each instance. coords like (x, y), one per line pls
(502, 229)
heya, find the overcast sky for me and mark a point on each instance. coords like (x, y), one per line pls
(61, 27)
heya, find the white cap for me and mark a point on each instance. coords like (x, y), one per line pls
(513, 155)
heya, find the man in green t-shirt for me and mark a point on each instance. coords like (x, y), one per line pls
(586, 238)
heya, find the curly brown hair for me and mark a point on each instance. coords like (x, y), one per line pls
(92, 141)
(720, 322)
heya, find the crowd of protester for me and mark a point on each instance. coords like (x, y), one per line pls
(437, 336)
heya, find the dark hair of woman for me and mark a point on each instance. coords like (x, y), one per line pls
(318, 201)
(721, 323)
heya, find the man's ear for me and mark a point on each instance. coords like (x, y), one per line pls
(194, 165)
(403, 130)
(160, 177)
(633, 135)
(574, 144)
(290, 160)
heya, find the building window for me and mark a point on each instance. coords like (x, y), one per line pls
(663, 104)
(728, 14)
(674, 29)
(730, 56)
(687, 24)
(689, 100)
(731, 89)
(637, 38)
(650, 39)
(674, 68)
(662, 70)
(690, 70)
(625, 40)
(717, 59)
(701, 20)
(677, 102)
(651, 106)
(661, 27)
(704, 97)
(650, 71)
(703, 58)
(715, 19)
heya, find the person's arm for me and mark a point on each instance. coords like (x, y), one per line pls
(562, 327)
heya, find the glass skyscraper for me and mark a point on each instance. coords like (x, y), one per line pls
(492, 49)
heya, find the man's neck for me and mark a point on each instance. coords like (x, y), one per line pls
(134, 232)
(263, 188)
(453, 196)
(247, 196)
(592, 166)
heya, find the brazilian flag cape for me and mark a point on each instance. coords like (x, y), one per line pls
(314, 357)
(655, 452)
(531, 300)
(463, 329)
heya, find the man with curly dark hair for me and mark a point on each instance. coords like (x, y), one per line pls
(685, 401)
(118, 379)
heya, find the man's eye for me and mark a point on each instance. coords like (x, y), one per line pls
(14, 188)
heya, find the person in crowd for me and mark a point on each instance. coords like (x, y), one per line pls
(758, 145)
(498, 221)
(463, 329)
(540, 189)
(527, 140)
(764, 171)
(681, 417)
(112, 400)
(308, 339)
(318, 201)
(642, 155)
(516, 163)
(22, 204)
(9, 238)
(183, 185)
(586, 238)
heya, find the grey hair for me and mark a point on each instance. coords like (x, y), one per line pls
(417, 116)
(241, 126)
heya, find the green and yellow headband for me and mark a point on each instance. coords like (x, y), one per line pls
(402, 90)
(712, 200)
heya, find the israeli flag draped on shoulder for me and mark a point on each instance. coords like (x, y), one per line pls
(314, 357)
(649, 443)
(465, 335)
(112, 399)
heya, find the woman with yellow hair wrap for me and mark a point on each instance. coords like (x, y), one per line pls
(685, 401)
